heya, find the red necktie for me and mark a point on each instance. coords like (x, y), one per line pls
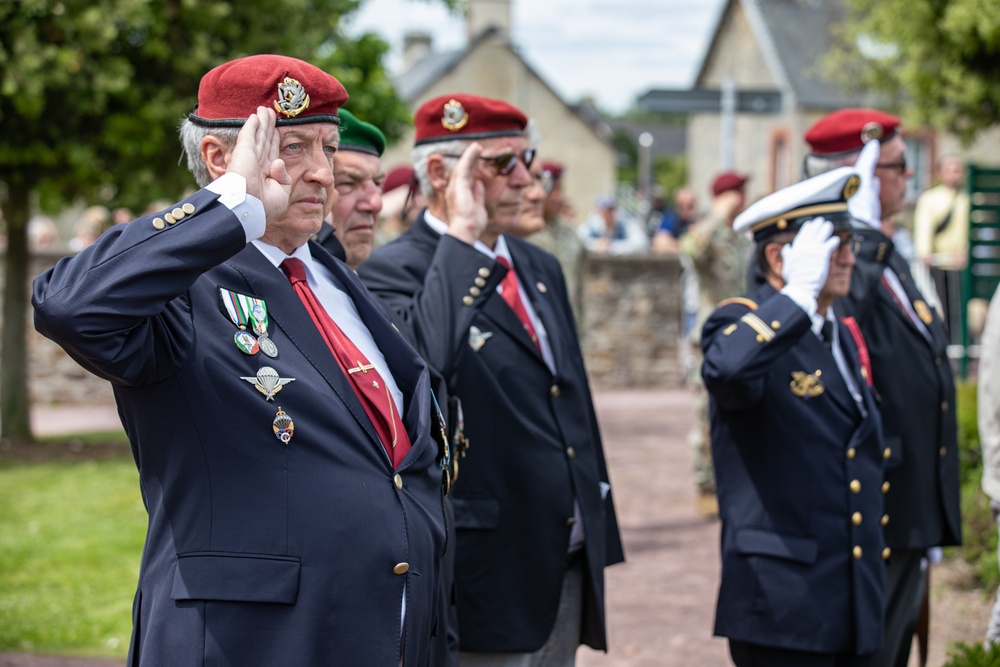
(512, 295)
(368, 384)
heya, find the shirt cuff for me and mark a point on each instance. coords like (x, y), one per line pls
(232, 191)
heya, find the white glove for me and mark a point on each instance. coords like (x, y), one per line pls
(865, 205)
(805, 263)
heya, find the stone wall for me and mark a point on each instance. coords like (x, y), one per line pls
(54, 378)
(632, 321)
(631, 331)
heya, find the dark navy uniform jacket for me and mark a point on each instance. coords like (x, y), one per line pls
(799, 472)
(914, 381)
(535, 444)
(258, 552)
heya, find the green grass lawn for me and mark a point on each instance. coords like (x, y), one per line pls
(71, 536)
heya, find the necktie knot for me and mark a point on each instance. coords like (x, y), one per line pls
(294, 269)
(504, 262)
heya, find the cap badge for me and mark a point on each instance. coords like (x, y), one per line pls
(455, 117)
(851, 186)
(806, 385)
(871, 131)
(292, 98)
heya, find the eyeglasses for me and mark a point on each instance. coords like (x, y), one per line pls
(506, 162)
(899, 167)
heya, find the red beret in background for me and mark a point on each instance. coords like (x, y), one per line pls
(848, 130)
(553, 168)
(466, 117)
(728, 180)
(298, 92)
(397, 178)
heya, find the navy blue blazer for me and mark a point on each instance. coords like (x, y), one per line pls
(916, 388)
(257, 552)
(535, 444)
(799, 473)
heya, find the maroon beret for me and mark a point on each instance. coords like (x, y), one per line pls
(299, 92)
(397, 178)
(466, 117)
(728, 180)
(848, 130)
(553, 168)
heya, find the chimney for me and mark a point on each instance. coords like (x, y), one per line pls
(416, 47)
(485, 14)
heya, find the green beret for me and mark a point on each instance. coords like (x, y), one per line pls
(357, 135)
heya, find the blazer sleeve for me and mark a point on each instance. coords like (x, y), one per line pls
(740, 343)
(119, 307)
(436, 302)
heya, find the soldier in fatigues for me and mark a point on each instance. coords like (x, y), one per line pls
(797, 444)
(719, 257)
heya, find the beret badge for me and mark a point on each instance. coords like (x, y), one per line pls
(292, 98)
(455, 117)
(871, 131)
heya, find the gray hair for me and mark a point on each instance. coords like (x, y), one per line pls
(422, 153)
(814, 165)
(191, 136)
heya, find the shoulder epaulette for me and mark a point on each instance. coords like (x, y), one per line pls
(752, 305)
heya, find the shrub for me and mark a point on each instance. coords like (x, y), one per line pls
(973, 655)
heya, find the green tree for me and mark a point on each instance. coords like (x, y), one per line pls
(936, 60)
(91, 94)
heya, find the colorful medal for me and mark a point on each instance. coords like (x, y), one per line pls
(248, 312)
(283, 426)
(246, 342)
(258, 315)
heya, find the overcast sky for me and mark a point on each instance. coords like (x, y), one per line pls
(612, 50)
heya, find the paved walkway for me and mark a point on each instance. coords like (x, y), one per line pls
(661, 601)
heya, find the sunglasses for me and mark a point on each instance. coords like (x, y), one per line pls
(899, 167)
(506, 162)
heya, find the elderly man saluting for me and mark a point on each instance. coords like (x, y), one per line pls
(796, 444)
(279, 422)
(534, 515)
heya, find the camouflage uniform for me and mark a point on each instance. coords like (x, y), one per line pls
(561, 240)
(720, 258)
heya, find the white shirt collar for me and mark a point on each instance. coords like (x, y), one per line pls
(276, 255)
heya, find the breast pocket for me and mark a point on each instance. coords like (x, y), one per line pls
(756, 542)
(236, 577)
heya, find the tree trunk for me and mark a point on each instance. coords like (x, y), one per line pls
(15, 423)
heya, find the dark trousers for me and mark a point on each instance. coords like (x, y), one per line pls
(904, 589)
(949, 288)
(755, 655)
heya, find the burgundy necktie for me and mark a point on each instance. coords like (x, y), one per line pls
(372, 391)
(512, 295)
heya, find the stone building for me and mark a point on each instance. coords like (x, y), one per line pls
(765, 62)
(491, 65)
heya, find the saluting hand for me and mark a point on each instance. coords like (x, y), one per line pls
(255, 158)
(805, 262)
(465, 197)
(865, 205)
